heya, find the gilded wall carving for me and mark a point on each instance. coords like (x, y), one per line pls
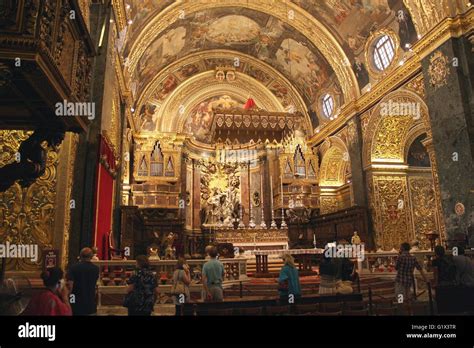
(73, 143)
(392, 212)
(424, 208)
(389, 140)
(27, 214)
(330, 204)
(439, 70)
(427, 13)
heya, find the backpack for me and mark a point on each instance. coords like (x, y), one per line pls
(447, 272)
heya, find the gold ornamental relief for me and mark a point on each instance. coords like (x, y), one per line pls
(439, 70)
(27, 214)
(391, 203)
(329, 204)
(390, 139)
(417, 85)
(424, 208)
(427, 13)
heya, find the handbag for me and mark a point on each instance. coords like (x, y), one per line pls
(178, 287)
(283, 286)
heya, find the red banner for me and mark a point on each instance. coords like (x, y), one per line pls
(103, 198)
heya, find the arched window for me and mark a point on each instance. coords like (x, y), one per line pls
(384, 52)
(328, 105)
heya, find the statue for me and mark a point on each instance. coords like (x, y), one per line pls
(153, 252)
(355, 238)
(31, 159)
(170, 251)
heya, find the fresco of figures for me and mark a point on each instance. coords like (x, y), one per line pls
(250, 32)
(199, 120)
(352, 21)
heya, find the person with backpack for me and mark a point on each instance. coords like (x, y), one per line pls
(464, 268)
(142, 290)
(444, 269)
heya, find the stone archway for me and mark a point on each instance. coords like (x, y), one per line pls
(402, 205)
(335, 164)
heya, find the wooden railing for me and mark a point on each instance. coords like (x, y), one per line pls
(384, 262)
(113, 274)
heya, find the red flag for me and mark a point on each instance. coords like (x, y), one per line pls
(249, 104)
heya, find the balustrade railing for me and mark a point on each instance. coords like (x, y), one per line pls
(117, 272)
(384, 262)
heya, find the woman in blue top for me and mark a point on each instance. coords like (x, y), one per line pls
(289, 280)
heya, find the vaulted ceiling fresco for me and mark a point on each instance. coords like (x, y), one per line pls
(352, 21)
(180, 72)
(246, 31)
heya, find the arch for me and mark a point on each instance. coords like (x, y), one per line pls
(302, 21)
(278, 79)
(203, 86)
(386, 137)
(335, 162)
(412, 135)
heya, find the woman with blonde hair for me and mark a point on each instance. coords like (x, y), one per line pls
(289, 280)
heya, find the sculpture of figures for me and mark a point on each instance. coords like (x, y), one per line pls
(355, 238)
(31, 161)
(170, 249)
(153, 252)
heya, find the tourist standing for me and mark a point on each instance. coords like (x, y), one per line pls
(289, 280)
(212, 278)
(444, 269)
(53, 301)
(404, 280)
(181, 281)
(327, 274)
(142, 290)
(82, 279)
(464, 268)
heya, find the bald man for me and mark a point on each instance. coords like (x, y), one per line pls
(82, 279)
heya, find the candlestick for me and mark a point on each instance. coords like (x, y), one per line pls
(273, 224)
(241, 222)
(314, 240)
(263, 225)
(283, 222)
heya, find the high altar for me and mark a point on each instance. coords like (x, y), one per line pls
(244, 190)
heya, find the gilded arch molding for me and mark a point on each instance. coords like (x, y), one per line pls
(334, 163)
(386, 136)
(205, 85)
(277, 78)
(317, 33)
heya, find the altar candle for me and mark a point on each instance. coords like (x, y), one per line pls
(281, 191)
(271, 191)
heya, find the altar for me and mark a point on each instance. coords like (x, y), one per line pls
(254, 239)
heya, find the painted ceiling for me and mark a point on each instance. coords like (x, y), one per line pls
(254, 33)
(260, 35)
